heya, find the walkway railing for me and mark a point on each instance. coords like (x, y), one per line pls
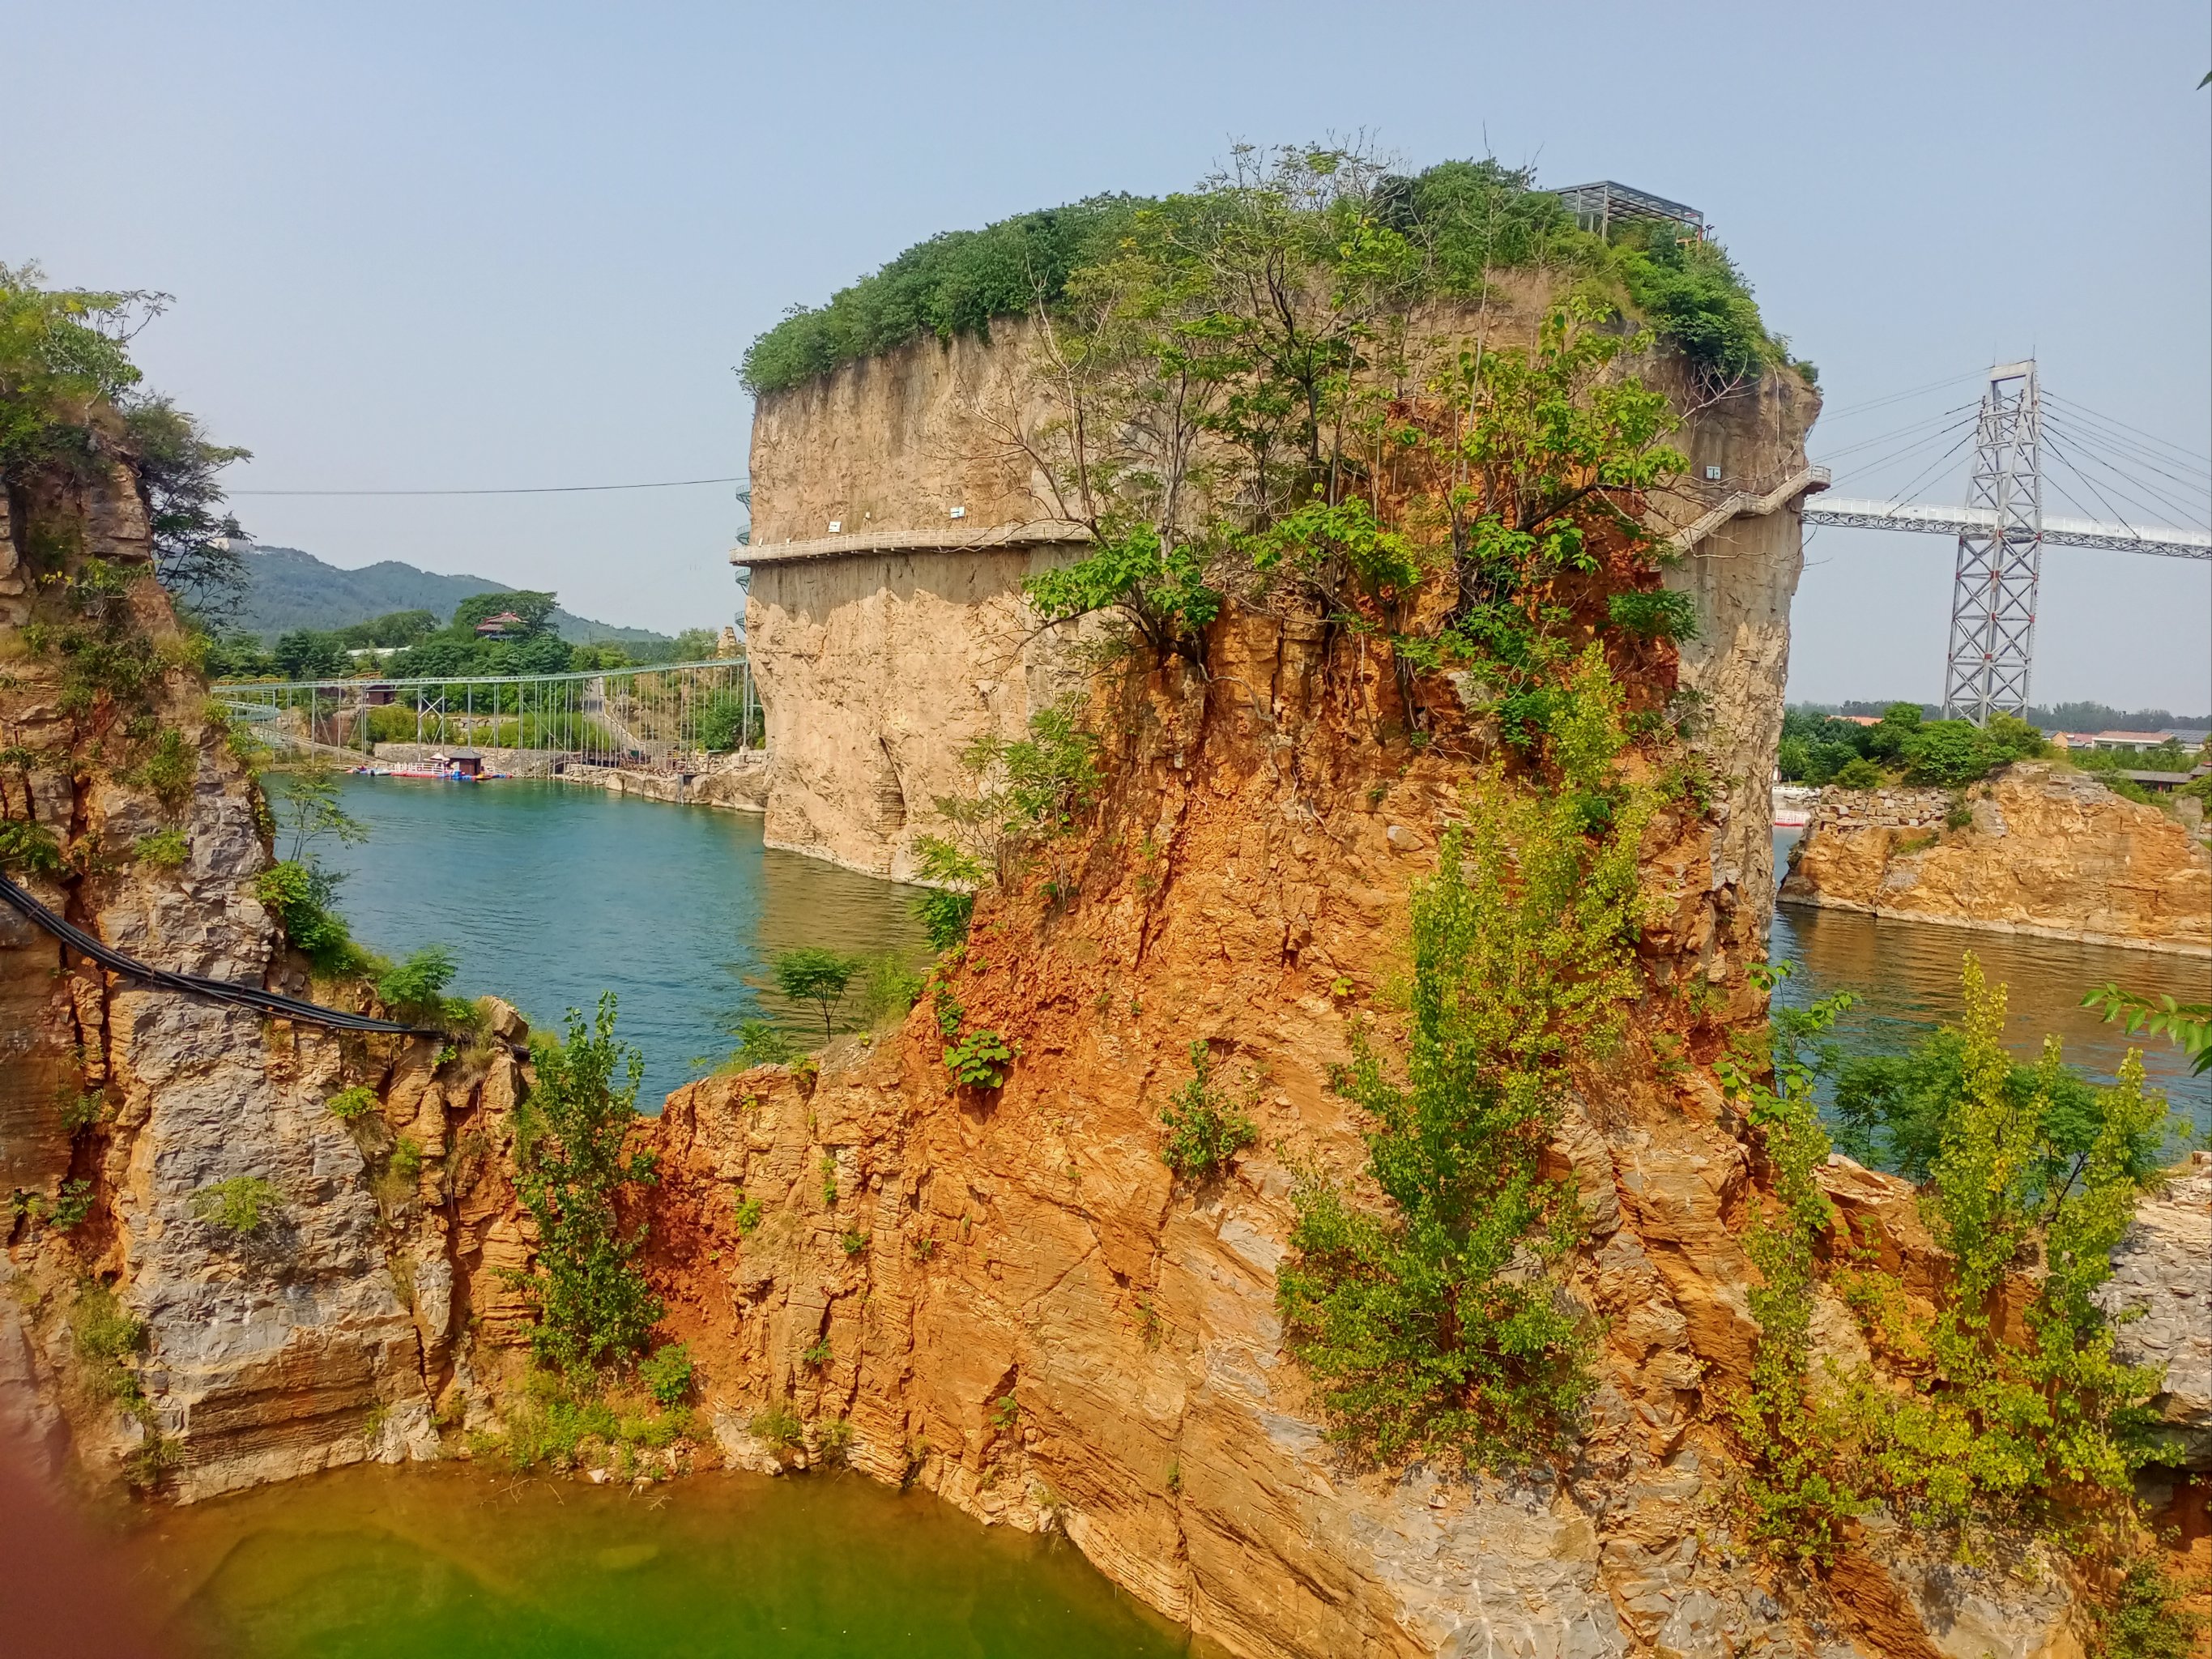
(669, 717)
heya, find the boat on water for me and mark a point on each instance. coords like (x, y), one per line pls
(1793, 805)
(462, 766)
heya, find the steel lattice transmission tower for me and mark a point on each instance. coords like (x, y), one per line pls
(1993, 590)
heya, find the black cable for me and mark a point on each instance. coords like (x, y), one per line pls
(1966, 430)
(2050, 441)
(2195, 478)
(268, 1002)
(533, 489)
(1898, 432)
(1897, 397)
(1905, 495)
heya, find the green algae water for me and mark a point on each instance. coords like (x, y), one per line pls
(550, 893)
(372, 1563)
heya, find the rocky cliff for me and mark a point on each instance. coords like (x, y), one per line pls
(2041, 850)
(197, 1355)
(1004, 1295)
(886, 633)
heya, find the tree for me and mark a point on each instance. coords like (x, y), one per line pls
(572, 1158)
(812, 974)
(194, 539)
(534, 608)
(308, 810)
(306, 654)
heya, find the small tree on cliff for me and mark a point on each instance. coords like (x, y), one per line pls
(571, 1156)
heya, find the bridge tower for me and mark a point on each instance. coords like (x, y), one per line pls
(1993, 588)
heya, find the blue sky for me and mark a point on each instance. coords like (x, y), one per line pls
(479, 245)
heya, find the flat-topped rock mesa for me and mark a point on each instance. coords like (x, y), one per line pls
(2047, 852)
(898, 508)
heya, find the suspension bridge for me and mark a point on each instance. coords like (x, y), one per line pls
(2153, 494)
(682, 718)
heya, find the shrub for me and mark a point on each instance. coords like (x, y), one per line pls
(1663, 614)
(107, 1336)
(888, 988)
(347, 1105)
(1432, 1327)
(946, 909)
(80, 1110)
(1202, 1136)
(666, 1373)
(170, 770)
(29, 847)
(1858, 773)
(979, 1059)
(594, 1306)
(777, 1425)
(816, 1357)
(70, 1205)
(165, 849)
(763, 1043)
(2147, 1617)
(747, 1212)
(414, 989)
(854, 1244)
(242, 1205)
(406, 1161)
(299, 897)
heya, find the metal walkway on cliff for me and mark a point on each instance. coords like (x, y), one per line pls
(161, 979)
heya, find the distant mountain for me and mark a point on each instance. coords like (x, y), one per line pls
(287, 589)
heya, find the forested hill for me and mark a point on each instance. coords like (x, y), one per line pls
(288, 589)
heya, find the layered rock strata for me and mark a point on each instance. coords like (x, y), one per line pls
(1007, 1298)
(2045, 851)
(323, 1335)
(898, 508)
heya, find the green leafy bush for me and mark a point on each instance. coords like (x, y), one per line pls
(1858, 773)
(1202, 1136)
(946, 909)
(414, 989)
(666, 1373)
(1433, 1328)
(594, 1305)
(1661, 614)
(301, 898)
(170, 770)
(888, 988)
(349, 1104)
(763, 1043)
(2148, 1617)
(979, 1059)
(29, 849)
(747, 1211)
(165, 849)
(243, 1205)
(777, 1425)
(106, 1337)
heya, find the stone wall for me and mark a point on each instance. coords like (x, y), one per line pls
(2045, 851)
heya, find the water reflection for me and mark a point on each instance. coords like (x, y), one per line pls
(548, 893)
(1906, 975)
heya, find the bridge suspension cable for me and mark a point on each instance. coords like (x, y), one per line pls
(2150, 495)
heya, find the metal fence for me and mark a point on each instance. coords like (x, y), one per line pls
(674, 717)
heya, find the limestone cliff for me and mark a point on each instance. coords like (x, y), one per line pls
(886, 633)
(324, 1336)
(1009, 1300)
(2047, 851)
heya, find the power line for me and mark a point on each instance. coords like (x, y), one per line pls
(534, 489)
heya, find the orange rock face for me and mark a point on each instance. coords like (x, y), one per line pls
(1007, 1297)
(2049, 852)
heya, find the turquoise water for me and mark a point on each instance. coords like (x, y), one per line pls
(548, 893)
(398, 1564)
(1906, 976)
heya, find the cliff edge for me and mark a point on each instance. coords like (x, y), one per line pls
(2036, 849)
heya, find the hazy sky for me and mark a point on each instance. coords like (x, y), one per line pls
(463, 245)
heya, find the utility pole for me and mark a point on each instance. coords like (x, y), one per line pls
(1993, 587)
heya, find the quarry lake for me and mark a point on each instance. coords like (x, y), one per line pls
(548, 893)
(398, 1564)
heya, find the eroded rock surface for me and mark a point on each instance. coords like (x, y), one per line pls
(2049, 852)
